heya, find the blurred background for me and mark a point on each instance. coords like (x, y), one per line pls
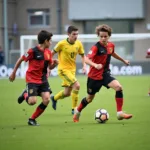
(28, 17)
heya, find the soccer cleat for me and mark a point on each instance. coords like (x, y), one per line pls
(72, 111)
(32, 122)
(123, 115)
(21, 97)
(76, 115)
(54, 103)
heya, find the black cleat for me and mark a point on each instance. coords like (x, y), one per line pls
(72, 111)
(54, 103)
(21, 97)
(32, 122)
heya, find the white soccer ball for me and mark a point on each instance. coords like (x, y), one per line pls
(101, 115)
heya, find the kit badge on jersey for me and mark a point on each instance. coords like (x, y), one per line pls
(31, 91)
(110, 50)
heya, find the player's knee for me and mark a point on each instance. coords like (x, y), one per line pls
(32, 101)
(118, 88)
(67, 94)
(46, 100)
(76, 86)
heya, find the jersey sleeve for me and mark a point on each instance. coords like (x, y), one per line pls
(81, 49)
(28, 55)
(92, 52)
(113, 49)
(57, 47)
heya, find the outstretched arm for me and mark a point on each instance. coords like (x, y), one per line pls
(13, 74)
(83, 64)
(116, 56)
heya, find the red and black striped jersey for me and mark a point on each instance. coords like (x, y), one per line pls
(100, 54)
(38, 62)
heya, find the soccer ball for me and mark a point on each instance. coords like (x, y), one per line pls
(101, 115)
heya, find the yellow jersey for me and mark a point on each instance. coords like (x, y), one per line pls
(67, 53)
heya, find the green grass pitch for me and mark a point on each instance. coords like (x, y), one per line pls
(57, 130)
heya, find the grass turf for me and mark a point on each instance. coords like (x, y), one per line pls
(57, 130)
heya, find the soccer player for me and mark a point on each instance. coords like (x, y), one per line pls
(39, 59)
(67, 50)
(99, 74)
(148, 56)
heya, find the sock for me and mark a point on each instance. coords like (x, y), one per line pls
(75, 97)
(82, 105)
(39, 110)
(119, 100)
(26, 97)
(59, 95)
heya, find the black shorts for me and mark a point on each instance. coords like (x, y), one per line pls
(34, 89)
(93, 86)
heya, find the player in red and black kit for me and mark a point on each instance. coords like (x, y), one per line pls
(39, 60)
(99, 74)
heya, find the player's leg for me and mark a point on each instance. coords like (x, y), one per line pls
(84, 102)
(75, 95)
(43, 90)
(31, 99)
(23, 96)
(119, 99)
(93, 87)
(68, 81)
(60, 95)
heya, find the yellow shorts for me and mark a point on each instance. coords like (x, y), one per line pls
(68, 77)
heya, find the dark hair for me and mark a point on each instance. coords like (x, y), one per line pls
(72, 28)
(103, 28)
(44, 35)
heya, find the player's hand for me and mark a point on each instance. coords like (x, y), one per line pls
(127, 62)
(55, 62)
(98, 66)
(12, 77)
(84, 69)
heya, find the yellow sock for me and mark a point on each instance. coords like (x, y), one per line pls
(59, 95)
(75, 97)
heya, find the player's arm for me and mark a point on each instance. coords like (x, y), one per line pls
(54, 64)
(83, 63)
(57, 48)
(53, 52)
(27, 56)
(91, 63)
(88, 59)
(13, 74)
(116, 56)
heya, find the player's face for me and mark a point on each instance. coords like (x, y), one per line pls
(48, 43)
(103, 37)
(73, 36)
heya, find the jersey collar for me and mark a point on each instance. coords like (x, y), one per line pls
(103, 44)
(69, 42)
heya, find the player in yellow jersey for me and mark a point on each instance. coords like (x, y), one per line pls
(67, 50)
